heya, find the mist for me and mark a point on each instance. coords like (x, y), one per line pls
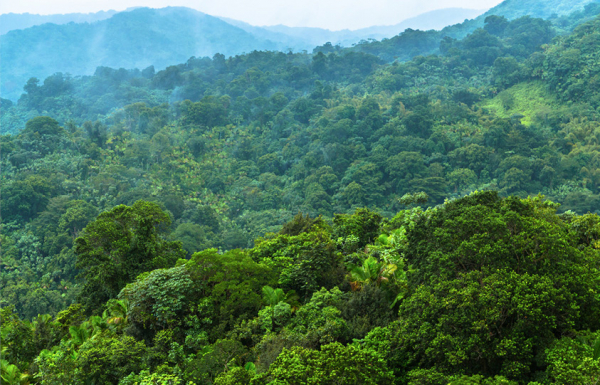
(330, 14)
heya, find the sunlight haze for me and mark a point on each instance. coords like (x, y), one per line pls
(330, 14)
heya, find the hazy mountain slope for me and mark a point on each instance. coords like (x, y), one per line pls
(512, 9)
(456, 22)
(310, 37)
(285, 38)
(134, 39)
(318, 36)
(413, 43)
(303, 38)
(12, 21)
(144, 37)
(437, 19)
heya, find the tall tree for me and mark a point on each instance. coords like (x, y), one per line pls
(118, 246)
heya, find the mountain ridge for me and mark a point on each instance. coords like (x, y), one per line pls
(347, 37)
(13, 21)
(156, 38)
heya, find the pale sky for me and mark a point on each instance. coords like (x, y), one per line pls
(331, 14)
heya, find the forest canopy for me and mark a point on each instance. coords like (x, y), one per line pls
(360, 215)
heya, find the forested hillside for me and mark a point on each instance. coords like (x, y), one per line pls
(565, 16)
(12, 21)
(512, 9)
(322, 218)
(162, 37)
(134, 39)
(78, 43)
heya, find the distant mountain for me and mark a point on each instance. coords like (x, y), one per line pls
(318, 36)
(160, 37)
(135, 39)
(305, 37)
(142, 37)
(295, 37)
(12, 21)
(285, 38)
(437, 20)
(411, 43)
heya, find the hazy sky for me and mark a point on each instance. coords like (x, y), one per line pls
(332, 14)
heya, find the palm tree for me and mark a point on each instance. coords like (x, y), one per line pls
(41, 321)
(596, 351)
(116, 312)
(79, 334)
(11, 375)
(98, 324)
(272, 297)
(389, 240)
(371, 271)
(390, 245)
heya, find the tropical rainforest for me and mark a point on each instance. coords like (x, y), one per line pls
(421, 210)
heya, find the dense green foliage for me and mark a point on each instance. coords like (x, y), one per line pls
(479, 290)
(118, 246)
(254, 139)
(331, 218)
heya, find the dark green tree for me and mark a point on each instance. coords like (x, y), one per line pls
(494, 281)
(118, 246)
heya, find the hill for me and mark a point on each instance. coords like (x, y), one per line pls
(411, 43)
(512, 9)
(12, 21)
(159, 37)
(308, 38)
(262, 135)
(436, 20)
(280, 217)
(136, 39)
(155, 37)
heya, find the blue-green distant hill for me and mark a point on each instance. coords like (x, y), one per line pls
(12, 21)
(299, 38)
(134, 39)
(412, 42)
(143, 37)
